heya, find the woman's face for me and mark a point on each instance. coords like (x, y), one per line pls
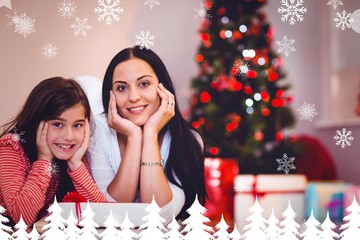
(66, 132)
(135, 87)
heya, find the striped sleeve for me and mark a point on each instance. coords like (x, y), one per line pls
(85, 185)
(23, 190)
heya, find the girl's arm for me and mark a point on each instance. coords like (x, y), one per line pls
(23, 190)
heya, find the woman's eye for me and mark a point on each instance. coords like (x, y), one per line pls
(144, 84)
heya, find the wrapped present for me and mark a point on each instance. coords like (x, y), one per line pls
(135, 211)
(322, 197)
(349, 195)
(273, 191)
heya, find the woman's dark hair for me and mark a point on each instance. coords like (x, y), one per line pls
(186, 157)
(49, 99)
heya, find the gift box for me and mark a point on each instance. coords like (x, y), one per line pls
(273, 191)
(135, 211)
(322, 197)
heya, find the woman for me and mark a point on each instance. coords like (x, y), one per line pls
(42, 151)
(142, 146)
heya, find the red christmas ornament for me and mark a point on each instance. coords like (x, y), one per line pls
(205, 97)
(279, 136)
(214, 150)
(251, 74)
(264, 96)
(273, 76)
(265, 111)
(195, 124)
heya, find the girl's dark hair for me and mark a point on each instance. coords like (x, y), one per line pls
(49, 99)
(186, 157)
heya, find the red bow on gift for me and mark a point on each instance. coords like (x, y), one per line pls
(77, 198)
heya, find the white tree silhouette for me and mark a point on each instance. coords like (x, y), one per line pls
(194, 224)
(235, 234)
(351, 228)
(273, 230)
(222, 233)
(312, 230)
(290, 226)
(111, 231)
(255, 229)
(34, 234)
(88, 230)
(154, 224)
(5, 231)
(21, 233)
(173, 230)
(126, 233)
(72, 230)
(327, 229)
(54, 230)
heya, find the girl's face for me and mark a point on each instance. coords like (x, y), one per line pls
(66, 132)
(134, 86)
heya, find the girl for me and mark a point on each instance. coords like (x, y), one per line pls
(42, 149)
(142, 146)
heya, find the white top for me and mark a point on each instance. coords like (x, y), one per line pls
(104, 158)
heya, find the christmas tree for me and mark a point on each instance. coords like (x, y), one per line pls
(239, 102)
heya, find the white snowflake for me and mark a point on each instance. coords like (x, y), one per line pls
(108, 11)
(343, 20)
(66, 9)
(286, 46)
(292, 11)
(201, 12)
(49, 51)
(243, 186)
(286, 163)
(343, 138)
(24, 25)
(335, 3)
(240, 67)
(307, 111)
(151, 3)
(80, 26)
(52, 169)
(18, 136)
(145, 40)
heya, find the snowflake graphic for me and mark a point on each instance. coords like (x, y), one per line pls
(145, 40)
(307, 111)
(151, 3)
(240, 67)
(243, 186)
(343, 138)
(286, 163)
(80, 26)
(201, 12)
(108, 11)
(17, 136)
(335, 3)
(343, 20)
(24, 25)
(49, 51)
(286, 46)
(66, 9)
(52, 169)
(292, 11)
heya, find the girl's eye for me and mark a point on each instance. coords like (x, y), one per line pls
(78, 125)
(57, 124)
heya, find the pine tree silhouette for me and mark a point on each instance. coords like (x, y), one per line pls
(273, 230)
(173, 230)
(54, 230)
(222, 233)
(34, 234)
(289, 225)
(195, 227)
(72, 231)
(255, 229)
(235, 234)
(88, 230)
(154, 224)
(351, 227)
(312, 231)
(126, 233)
(111, 231)
(5, 231)
(21, 233)
(328, 227)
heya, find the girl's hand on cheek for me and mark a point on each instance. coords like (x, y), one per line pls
(42, 146)
(118, 123)
(165, 111)
(76, 160)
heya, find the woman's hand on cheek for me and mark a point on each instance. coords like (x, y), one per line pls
(42, 146)
(76, 160)
(118, 123)
(165, 111)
